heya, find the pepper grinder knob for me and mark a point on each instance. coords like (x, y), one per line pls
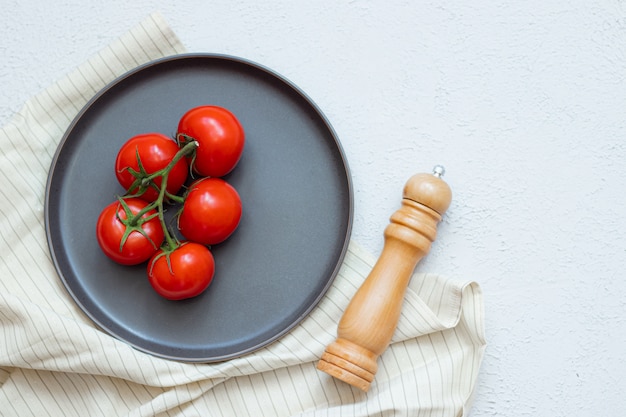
(369, 322)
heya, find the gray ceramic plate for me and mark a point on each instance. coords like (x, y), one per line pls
(295, 187)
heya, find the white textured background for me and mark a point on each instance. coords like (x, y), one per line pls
(524, 102)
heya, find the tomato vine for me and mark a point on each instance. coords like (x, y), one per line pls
(153, 168)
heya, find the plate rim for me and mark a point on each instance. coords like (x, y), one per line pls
(198, 56)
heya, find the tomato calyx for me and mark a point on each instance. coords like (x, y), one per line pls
(183, 139)
(145, 180)
(166, 250)
(134, 222)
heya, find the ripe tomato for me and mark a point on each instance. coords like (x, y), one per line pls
(141, 240)
(220, 138)
(155, 152)
(188, 272)
(211, 212)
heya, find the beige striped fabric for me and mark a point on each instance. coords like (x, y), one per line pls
(55, 361)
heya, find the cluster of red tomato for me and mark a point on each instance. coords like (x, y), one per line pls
(153, 169)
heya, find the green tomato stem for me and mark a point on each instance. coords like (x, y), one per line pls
(170, 242)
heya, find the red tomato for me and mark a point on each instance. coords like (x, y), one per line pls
(189, 272)
(220, 138)
(155, 151)
(139, 246)
(211, 212)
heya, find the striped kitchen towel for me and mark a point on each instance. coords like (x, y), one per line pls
(55, 361)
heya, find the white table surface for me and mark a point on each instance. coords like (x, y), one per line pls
(524, 103)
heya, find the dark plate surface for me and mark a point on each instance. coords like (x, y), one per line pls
(295, 188)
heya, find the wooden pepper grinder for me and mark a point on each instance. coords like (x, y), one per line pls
(371, 318)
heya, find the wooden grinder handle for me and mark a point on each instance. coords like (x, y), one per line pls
(372, 315)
